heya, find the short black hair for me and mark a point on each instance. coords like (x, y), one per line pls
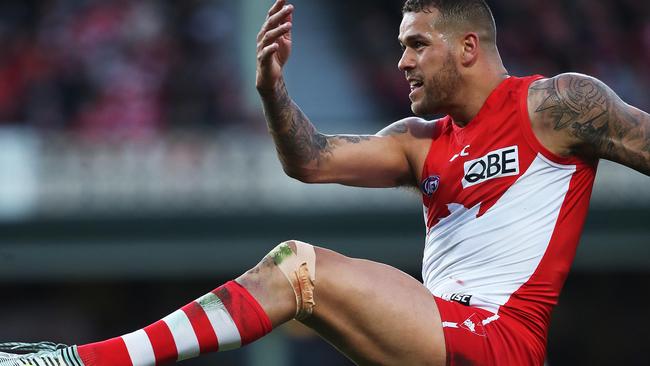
(458, 14)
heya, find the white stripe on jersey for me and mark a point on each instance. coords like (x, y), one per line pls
(140, 349)
(224, 326)
(491, 256)
(184, 337)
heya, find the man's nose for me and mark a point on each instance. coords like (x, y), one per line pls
(407, 61)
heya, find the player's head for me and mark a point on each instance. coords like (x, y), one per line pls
(458, 16)
(443, 41)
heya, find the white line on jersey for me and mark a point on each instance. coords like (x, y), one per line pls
(463, 152)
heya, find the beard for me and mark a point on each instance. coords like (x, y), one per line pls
(439, 89)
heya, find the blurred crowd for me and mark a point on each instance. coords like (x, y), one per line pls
(128, 69)
(120, 68)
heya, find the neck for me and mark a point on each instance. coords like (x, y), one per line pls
(473, 94)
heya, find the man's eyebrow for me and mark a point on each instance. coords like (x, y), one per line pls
(411, 38)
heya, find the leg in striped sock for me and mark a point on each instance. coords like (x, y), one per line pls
(373, 313)
(226, 318)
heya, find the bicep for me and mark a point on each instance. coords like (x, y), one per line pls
(378, 160)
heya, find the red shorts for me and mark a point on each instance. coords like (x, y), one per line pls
(474, 336)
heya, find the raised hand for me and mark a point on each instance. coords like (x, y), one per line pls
(273, 46)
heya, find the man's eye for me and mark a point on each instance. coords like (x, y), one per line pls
(418, 44)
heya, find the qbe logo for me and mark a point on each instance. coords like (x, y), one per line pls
(498, 163)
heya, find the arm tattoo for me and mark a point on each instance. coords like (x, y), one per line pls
(297, 141)
(352, 139)
(398, 129)
(579, 106)
(595, 117)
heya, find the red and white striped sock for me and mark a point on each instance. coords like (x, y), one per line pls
(226, 318)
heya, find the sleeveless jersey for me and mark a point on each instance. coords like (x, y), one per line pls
(503, 214)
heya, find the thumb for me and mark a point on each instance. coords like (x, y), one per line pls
(265, 57)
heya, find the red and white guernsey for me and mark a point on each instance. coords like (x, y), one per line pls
(503, 214)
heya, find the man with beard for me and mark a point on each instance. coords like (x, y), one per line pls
(505, 178)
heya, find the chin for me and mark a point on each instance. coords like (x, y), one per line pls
(422, 110)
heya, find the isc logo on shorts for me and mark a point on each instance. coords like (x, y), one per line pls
(498, 163)
(461, 298)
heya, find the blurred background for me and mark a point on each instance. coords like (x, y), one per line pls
(136, 173)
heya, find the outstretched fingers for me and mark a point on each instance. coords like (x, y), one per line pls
(276, 7)
(272, 36)
(276, 19)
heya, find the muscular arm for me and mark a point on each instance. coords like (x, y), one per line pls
(298, 143)
(575, 114)
(310, 156)
(381, 160)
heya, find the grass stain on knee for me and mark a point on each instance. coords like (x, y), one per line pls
(280, 253)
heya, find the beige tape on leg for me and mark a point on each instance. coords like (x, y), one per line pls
(299, 268)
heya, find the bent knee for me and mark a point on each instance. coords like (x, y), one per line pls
(305, 252)
(290, 248)
(290, 255)
(297, 261)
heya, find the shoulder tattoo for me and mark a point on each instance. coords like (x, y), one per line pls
(600, 123)
(578, 104)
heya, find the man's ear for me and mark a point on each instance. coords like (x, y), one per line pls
(469, 52)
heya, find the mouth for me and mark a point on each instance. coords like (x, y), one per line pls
(415, 84)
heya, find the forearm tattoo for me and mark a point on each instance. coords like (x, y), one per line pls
(297, 141)
(593, 115)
